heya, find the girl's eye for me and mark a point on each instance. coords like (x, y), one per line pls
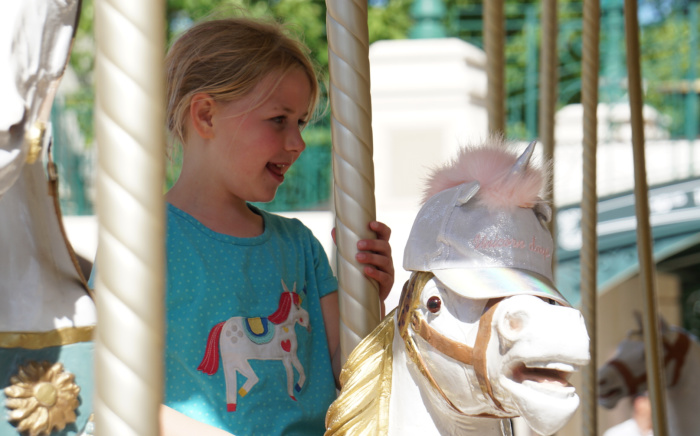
(434, 304)
(278, 120)
(302, 124)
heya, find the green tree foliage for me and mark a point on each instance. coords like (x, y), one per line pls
(307, 18)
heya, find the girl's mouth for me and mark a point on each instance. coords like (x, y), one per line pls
(277, 170)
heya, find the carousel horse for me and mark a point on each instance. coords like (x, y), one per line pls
(624, 375)
(47, 314)
(480, 335)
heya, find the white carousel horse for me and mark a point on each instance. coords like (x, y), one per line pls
(46, 312)
(624, 375)
(480, 334)
(41, 289)
(463, 363)
(240, 339)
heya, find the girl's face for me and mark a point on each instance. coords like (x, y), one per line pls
(253, 149)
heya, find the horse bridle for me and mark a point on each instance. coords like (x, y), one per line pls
(474, 356)
(675, 351)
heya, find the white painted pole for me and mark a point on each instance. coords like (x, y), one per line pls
(353, 167)
(129, 121)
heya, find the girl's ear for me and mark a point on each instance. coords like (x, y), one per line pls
(202, 108)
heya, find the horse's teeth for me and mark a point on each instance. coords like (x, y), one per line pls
(560, 366)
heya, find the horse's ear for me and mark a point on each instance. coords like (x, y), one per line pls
(286, 289)
(663, 324)
(639, 320)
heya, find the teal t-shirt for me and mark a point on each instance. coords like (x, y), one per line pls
(246, 346)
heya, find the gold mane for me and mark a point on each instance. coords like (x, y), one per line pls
(363, 404)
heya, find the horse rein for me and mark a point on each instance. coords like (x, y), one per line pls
(474, 356)
(676, 351)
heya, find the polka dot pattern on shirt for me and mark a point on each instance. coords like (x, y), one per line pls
(211, 278)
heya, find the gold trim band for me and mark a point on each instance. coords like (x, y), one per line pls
(53, 338)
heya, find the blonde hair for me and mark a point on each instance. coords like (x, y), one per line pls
(227, 58)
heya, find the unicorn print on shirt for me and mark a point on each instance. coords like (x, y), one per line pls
(240, 339)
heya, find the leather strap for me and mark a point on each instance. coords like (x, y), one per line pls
(475, 356)
(631, 381)
(678, 351)
(480, 347)
(673, 352)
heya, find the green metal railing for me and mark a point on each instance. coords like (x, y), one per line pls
(669, 83)
(73, 160)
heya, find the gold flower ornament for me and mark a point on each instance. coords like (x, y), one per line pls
(42, 398)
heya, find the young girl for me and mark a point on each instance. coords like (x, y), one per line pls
(239, 93)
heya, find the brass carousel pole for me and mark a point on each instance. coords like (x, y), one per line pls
(647, 268)
(353, 167)
(494, 46)
(129, 120)
(549, 78)
(589, 208)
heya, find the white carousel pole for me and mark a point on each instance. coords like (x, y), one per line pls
(129, 120)
(353, 168)
(645, 245)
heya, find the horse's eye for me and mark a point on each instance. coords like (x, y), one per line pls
(552, 302)
(434, 304)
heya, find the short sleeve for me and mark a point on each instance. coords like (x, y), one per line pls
(327, 282)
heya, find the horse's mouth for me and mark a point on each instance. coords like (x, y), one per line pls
(610, 394)
(543, 376)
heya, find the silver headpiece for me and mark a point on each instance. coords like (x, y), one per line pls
(488, 238)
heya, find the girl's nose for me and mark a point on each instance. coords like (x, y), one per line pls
(295, 142)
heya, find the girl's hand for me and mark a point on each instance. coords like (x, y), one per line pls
(375, 254)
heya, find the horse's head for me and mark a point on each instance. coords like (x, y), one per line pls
(297, 314)
(625, 375)
(300, 315)
(536, 345)
(502, 357)
(37, 37)
(487, 326)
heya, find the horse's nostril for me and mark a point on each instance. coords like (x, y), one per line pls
(515, 321)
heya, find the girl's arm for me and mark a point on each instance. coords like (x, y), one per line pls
(174, 423)
(331, 320)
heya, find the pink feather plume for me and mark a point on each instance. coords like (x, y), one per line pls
(491, 165)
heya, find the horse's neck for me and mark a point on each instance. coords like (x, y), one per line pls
(40, 288)
(412, 409)
(682, 399)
